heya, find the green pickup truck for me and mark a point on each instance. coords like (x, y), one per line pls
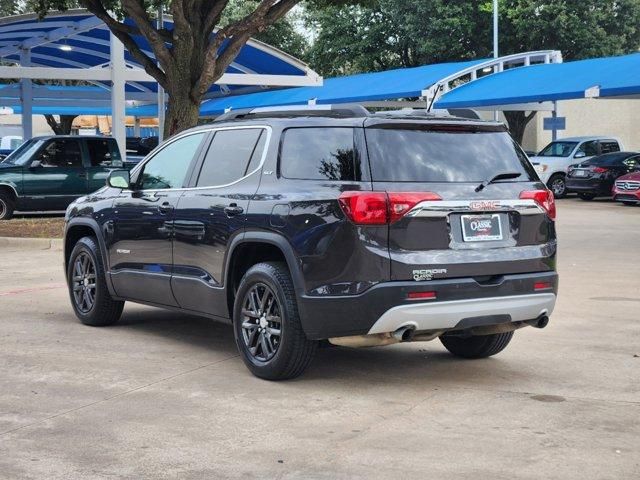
(48, 173)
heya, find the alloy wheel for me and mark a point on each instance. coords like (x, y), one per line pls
(558, 187)
(261, 322)
(84, 282)
(3, 208)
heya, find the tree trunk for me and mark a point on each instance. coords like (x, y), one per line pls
(62, 126)
(518, 122)
(182, 112)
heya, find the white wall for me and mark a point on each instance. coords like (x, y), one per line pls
(618, 118)
(40, 126)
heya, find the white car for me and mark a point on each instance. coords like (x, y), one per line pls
(554, 160)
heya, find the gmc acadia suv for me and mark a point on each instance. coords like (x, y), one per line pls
(298, 225)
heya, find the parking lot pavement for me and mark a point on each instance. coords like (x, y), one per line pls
(164, 395)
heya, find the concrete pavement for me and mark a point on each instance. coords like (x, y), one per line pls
(163, 395)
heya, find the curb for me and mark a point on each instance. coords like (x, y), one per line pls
(31, 243)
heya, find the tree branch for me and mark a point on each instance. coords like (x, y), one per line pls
(121, 31)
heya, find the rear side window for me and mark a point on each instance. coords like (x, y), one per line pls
(404, 155)
(607, 147)
(231, 155)
(100, 153)
(588, 148)
(319, 154)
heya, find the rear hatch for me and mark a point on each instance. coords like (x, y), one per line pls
(446, 219)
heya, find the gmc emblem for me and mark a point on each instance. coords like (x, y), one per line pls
(484, 205)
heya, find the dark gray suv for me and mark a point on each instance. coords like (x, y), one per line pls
(298, 225)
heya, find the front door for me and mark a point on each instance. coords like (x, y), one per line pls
(212, 214)
(140, 250)
(59, 178)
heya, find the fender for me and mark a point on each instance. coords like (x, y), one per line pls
(91, 223)
(11, 185)
(272, 239)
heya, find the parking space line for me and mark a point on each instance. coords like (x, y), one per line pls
(34, 289)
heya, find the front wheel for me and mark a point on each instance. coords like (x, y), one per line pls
(558, 185)
(6, 207)
(479, 346)
(88, 290)
(267, 324)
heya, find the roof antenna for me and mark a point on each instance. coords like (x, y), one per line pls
(435, 94)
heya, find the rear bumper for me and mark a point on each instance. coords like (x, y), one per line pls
(459, 303)
(586, 186)
(461, 314)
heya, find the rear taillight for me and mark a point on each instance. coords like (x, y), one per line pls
(544, 198)
(599, 170)
(542, 286)
(380, 208)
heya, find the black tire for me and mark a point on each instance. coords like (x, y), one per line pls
(479, 346)
(587, 196)
(558, 185)
(291, 352)
(629, 204)
(6, 206)
(102, 310)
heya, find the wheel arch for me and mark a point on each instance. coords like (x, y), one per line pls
(11, 188)
(257, 247)
(78, 228)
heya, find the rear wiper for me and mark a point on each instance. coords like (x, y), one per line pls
(500, 176)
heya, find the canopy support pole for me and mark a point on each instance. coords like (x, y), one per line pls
(118, 67)
(136, 126)
(26, 86)
(161, 95)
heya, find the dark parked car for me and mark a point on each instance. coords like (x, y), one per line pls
(627, 188)
(141, 145)
(48, 173)
(301, 225)
(595, 177)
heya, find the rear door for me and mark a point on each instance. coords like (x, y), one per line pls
(446, 221)
(102, 157)
(212, 213)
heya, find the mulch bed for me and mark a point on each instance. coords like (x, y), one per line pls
(32, 227)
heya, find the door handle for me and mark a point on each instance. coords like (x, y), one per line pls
(233, 210)
(166, 207)
(82, 175)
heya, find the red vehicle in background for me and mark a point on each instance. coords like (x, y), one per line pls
(626, 188)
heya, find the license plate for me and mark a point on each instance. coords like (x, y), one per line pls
(579, 173)
(481, 228)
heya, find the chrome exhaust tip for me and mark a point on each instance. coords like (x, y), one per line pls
(403, 334)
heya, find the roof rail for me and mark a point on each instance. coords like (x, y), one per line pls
(338, 111)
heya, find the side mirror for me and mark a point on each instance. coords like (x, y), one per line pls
(36, 164)
(580, 155)
(119, 179)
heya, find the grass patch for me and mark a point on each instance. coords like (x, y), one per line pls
(32, 227)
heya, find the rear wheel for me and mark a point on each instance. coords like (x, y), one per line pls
(479, 346)
(586, 196)
(267, 324)
(6, 206)
(88, 290)
(558, 185)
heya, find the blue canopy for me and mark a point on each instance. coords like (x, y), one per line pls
(78, 39)
(614, 76)
(391, 84)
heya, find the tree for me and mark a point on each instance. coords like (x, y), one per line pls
(188, 58)
(387, 34)
(62, 125)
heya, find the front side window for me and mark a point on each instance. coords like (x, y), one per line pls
(416, 155)
(558, 149)
(232, 155)
(61, 153)
(168, 168)
(319, 154)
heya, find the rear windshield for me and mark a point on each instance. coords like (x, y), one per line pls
(402, 155)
